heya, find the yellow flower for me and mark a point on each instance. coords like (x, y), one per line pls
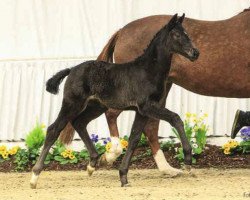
(195, 120)
(3, 148)
(43, 126)
(5, 155)
(69, 151)
(194, 115)
(226, 146)
(205, 115)
(71, 156)
(233, 144)
(13, 150)
(64, 154)
(188, 115)
(108, 146)
(227, 151)
(124, 143)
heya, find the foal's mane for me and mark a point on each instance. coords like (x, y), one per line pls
(150, 49)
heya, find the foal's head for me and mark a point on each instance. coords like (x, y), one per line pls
(176, 39)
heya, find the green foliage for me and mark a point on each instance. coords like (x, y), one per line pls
(100, 148)
(84, 154)
(167, 145)
(196, 130)
(245, 146)
(58, 148)
(148, 153)
(143, 141)
(35, 137)
(21, 159)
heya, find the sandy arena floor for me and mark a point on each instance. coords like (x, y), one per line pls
(145, 184)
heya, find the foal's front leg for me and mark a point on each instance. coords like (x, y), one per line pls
(154, 110)
(135, 135)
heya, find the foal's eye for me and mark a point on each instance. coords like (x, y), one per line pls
(177, 35)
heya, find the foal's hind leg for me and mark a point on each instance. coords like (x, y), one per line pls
(93, 110)
(68, 112)
(135, 135)
(154, 110)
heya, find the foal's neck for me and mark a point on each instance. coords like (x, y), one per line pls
(156, 57)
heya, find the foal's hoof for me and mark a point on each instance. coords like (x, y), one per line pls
(90, 170)
(126, 185)
(187, 168)
(33, 181)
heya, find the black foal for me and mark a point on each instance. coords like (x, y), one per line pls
(94, 86)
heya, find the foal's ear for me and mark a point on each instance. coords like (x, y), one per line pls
(172, 22)
(180, 20)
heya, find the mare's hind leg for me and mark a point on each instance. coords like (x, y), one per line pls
(116, 148)
(93, 110)
(151, 131)
(135, 135)
(68, 112)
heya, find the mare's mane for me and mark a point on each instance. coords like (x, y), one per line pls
(245, 10)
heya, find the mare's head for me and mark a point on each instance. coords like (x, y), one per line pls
(176, 40)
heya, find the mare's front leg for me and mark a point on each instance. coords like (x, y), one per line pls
(135, 135)
(154, 110)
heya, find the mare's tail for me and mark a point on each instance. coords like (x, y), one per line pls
(108, 50)
(67, 134)
(53, 83)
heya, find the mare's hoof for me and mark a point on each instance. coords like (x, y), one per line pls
(172, 172)
(90, 170)
(102, 161)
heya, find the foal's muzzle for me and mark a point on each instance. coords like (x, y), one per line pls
(193, 54)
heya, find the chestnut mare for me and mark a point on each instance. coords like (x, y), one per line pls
(222, 70)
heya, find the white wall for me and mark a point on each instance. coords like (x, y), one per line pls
(40, 37)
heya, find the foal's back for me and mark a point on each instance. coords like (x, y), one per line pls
(117, 86)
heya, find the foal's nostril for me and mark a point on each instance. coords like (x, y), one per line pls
(196, 53)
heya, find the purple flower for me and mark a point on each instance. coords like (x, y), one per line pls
(94, 138)
(106, 140)
(245, 133)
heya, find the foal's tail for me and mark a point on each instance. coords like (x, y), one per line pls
(67, 134)
(53, 83)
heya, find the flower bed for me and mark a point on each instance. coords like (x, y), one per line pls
(232, 154)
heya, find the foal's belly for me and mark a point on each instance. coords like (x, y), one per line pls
(116, 103)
